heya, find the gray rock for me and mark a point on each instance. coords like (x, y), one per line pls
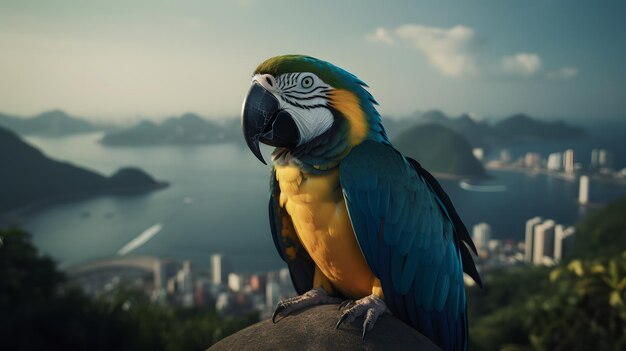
(314, 329)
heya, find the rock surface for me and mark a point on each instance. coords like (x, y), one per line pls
(314, 329)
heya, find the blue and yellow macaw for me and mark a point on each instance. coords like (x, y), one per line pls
(351, 216)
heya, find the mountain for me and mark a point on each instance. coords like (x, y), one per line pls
(187, 129)
(29, 177)
(53, 123)
(516, 128)
(521, 126)
(440, 150)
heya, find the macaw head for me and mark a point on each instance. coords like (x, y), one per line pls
(312, 111)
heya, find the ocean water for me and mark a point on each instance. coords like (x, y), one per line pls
(217, 203)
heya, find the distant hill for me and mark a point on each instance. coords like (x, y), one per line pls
(516, 128)
(521, 126)
(55, 123)
(28, 177)
(440, 150)
(187, 129)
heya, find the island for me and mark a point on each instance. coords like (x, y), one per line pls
(55, 123)
(440, 151)
(30, 179)
(190, 128)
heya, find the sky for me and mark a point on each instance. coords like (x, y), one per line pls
(117, 60)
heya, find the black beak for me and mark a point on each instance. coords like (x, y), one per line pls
(263, 121)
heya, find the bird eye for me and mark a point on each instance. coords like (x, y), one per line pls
(307, 82)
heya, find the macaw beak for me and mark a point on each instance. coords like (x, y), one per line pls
(262, 120)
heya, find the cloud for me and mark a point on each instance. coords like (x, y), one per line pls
(522, 64)
(563, 73)
(447, 49)
(381, 35)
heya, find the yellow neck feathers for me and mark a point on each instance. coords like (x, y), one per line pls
(348, 104)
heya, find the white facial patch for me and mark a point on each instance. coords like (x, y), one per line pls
(311, 123)
(305, 97)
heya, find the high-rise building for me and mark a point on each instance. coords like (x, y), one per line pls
(184, 282)
(543, 243)
(258, 282)
(583, 190)
(568, 161)
(605, 159)
(530, 232)
(481, 234)
(216, 268)
(479, 153)
(595, 156)
(555, 161)
(234, 282)
(160, 279)
(563, 238)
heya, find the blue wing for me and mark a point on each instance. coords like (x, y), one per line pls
(301, 266)
(410, 236)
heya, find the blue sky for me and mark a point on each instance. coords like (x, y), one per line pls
(123, 59)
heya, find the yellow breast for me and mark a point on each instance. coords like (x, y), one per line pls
(318, 211)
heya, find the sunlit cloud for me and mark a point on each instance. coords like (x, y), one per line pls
(446, 49)
(522, 64)
(563, 73)
(380, 35)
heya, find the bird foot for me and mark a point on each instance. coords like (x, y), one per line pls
(371, 306)
(312, 297)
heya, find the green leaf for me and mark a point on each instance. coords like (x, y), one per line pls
(615, 299)
(576, 266)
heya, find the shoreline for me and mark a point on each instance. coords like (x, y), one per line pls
(558, 175)
(458, 177)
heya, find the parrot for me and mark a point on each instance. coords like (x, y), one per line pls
(357, 223)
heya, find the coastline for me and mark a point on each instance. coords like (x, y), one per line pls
(493, 166)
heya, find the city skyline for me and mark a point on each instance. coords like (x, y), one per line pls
(118, 60)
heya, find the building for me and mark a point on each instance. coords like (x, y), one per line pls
(505, 156)
(563, 238)
(272, 293)
(479, 153)
(605, 159)
(583, 190)
(543, 243)
(532, 160)
(568, 161)
(184, 283)
(595, 156)
(530, 231)
(216, 268)
(481, 234)
(555, 161)
(235, 282)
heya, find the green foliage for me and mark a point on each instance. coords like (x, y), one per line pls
(39, 310)
(602, 234)
(584, 309)
(580, 305)
(496, 312)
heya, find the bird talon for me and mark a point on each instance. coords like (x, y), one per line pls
(312, 297)
(371, 306)
(345, 303)
(276, 313)
(343, 317)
